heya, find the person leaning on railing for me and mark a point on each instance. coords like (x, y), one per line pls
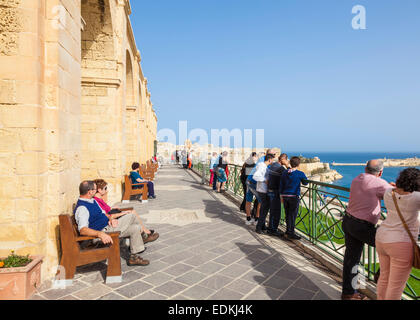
(289, 190)
(252, 191)
(359, 224)
(261, 177)
(220, 172)
(393, 243)
(246, 169)
(275, 171)
(213, 161)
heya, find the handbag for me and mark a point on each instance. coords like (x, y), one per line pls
(416, 254)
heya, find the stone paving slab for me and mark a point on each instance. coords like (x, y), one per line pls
(218, 258)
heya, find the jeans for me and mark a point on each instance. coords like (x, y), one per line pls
(356, 234)
(291, 208)
(150, 188)
(275, 210)
(214, 179)
(265, 206)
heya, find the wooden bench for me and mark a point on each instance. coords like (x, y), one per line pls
(152, 166)
(73, 256)
(146, 173)
(129, 191)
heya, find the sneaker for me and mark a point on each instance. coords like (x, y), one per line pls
(136, 260)
(151, 237)
(254, 222)
(248, 221)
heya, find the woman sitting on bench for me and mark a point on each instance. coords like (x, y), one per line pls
(101, 197)
(137, 178)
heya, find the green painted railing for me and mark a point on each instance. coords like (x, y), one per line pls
(322, 208)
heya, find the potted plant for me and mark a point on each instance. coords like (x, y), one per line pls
(19, 276)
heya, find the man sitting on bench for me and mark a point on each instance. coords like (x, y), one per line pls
(136, 178)
(92, 222)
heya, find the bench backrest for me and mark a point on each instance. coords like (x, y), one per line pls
(128, 183)
(68, 232)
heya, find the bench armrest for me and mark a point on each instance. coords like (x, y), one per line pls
(139, 184)
(112, 234)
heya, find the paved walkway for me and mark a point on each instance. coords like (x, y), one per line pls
(205, 251)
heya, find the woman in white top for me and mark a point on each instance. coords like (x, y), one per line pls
(393, 243)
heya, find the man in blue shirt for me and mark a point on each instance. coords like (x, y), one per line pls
(290, 193)
(92, 221)
(136, 178)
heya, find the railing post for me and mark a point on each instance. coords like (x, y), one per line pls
(314, 212)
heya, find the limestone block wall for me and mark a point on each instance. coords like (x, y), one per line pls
(113, 96)
(39, 122)
(102, 114)
(64, 115)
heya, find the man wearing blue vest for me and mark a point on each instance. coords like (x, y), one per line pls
(92, 222)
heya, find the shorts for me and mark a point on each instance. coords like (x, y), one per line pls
(251, 192)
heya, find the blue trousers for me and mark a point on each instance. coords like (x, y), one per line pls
(291, 208)
(150, 188)
(275, 210)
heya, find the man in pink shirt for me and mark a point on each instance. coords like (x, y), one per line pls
(359, 224)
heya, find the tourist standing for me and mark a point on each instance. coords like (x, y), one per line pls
(274, 175)
(252, 191)
(359, 224)
(261, 177)
(290, 182)
(246, 169)
(393, 243)
(221, 172)
(213, 162)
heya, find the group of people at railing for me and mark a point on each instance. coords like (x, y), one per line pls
(94, 217)
(393, 239)
(266, 179)
(274, 180)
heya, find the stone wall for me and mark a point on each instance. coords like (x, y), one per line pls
(39, 123)
(63, 113)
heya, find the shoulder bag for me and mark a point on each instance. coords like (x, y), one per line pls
(416, 248)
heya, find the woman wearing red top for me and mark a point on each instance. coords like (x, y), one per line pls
(101, 197)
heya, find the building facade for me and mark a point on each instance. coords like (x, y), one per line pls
(74, 105)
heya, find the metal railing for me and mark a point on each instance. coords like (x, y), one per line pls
(322, 208)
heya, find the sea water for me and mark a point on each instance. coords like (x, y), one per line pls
(390, 174)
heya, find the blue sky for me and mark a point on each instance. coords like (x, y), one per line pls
(292, 67)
